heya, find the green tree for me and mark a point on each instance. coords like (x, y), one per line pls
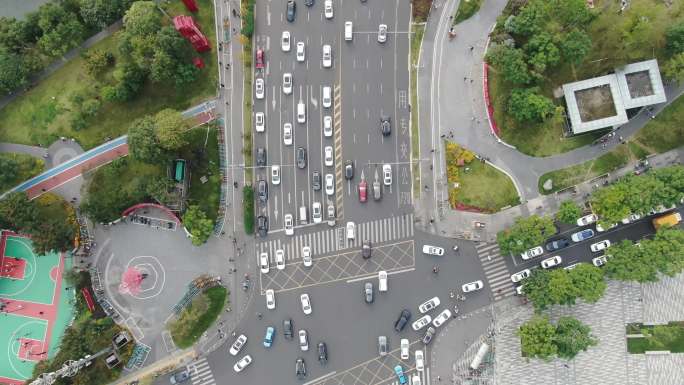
(610, 203)
(666, 250)
(91, 107)
(170, 129)
(572, 337)
(130, 80)
(142, 140)
(197, 223)
(160, 189)
(537, 338)
(185, 74)
(526, 104)
(629, 263)
(96, 61)
(101, 13)
(247, 13)
(142, 18)
(51, 235)
(588, 282)
(62, 30)
(525, 234)
(568, 212)
(574, 45)
(535, 287)
(511, 63)
(8, 170)
(17, 212)
(542, 52)
(570, 13)
(14, 35)
(639, 32)
(531, 18)
(674, 39)
(561, 289)
(13, 71)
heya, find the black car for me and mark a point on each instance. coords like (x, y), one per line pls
(287, 328)
(557, 244)
(262, 191)
(262, 225)
(300, 368)
(301, 157)
(366, 249)
(309, 3)
(261, 157)
(404, 318)
(385, 126)
(429, 333)
(349, 170)
(316, 180)
(291, 10)
(322, 353)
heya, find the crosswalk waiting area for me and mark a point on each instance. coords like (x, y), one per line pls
(333, 240)
(200, 372)
(497, 274)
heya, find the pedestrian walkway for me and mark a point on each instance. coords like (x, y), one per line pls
(497, 274)
(334, 239)
(200, 372)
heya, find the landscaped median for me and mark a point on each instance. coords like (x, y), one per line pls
(198, 316)
(466, 9)
(655, 338)
(475, 185)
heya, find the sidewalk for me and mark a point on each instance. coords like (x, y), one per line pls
(163, 366)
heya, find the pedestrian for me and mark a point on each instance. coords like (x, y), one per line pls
(472, 48)
(465, 78)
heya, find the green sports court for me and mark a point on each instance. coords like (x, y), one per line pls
(36, 306)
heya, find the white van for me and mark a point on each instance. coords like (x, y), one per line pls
(327, 98)
(303, 215)
(382, 280)
(348, 30)
(301, 112)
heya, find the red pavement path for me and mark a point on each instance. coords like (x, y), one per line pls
(77, 170)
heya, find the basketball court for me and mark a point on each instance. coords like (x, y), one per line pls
(35, 307)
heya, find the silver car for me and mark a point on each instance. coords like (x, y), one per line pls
(382, 346)
(368, 292)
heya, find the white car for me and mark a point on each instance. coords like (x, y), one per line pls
(275, 174)
(328, 151)
(433, 250)
(285, 41)
(243, 363)
(306, 256)
(351, 231)
(287, 83)
(587, 220)
(259, 88)
(421, 322)
(331, 215)
(472, 286)
(382, 281)
(415, 380)
(600, 261)
(259, 122)
(533, 252)
(404, 348)
(420, 360)
(303, 340)
(519, 290)
(301, 112)
(387, 174)
(519, 276)
(280, 259)
(598, 246)
(270, 299)
(441, 318)
(289, 224)
(328, 9)
(306, 303)
(429, 305)
(382, 33)
(301, 53)
(327, 97)
(631, 218)
(327, 56)
(551, 262)
(600, 228)
(327, 126)
(574, 265)
(287, 134)
(329, 184)
(316, 212)
(238, 345)
(263, 263)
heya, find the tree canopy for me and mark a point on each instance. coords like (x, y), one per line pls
(197, 223)
(170, 129)
(525, 233)
(539, 338)
(568, 212)
(142, 140)
(563, 287)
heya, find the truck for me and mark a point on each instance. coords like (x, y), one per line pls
(667, 220)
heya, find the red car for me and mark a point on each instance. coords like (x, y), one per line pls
(260, 58)
(363, 191)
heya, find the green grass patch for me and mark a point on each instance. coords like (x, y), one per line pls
(198, 316)
(666, 132)
(579, 173)
(417, 31)
(248, 209)
(43, 114)
(26, 167)
(466, 9)
(659, 337)
(203, 154)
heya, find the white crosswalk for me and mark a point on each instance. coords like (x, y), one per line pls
(200, 372)
(334, 239)
(497, 274)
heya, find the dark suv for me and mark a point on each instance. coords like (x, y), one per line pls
(261, 157)
(262, 225)
(300, 368)
(322, 353)
(291, 10)
(287, 328)
(316, 180)
(557, 244)
(262, 191)
(301, 157)
(385, 126)
(349, 170)
(366, 249)
(403, 319)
